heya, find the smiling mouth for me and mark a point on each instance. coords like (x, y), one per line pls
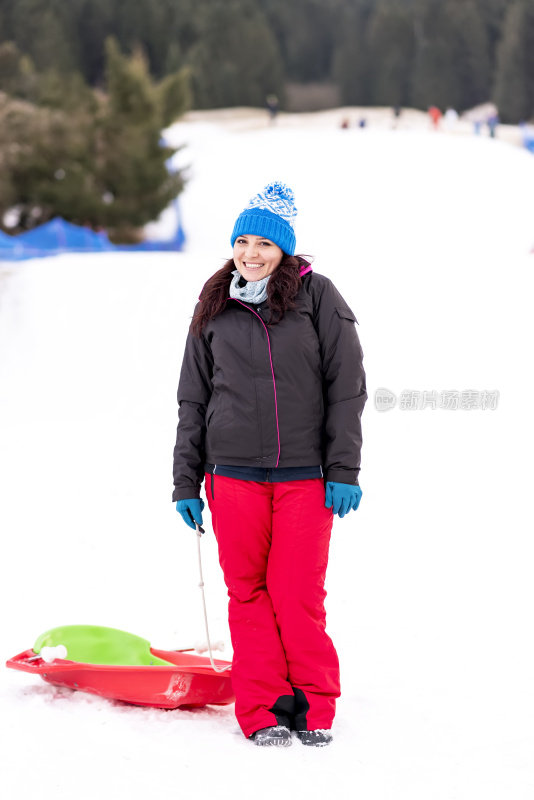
(253, 266)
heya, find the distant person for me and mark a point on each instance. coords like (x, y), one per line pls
(477, 127)
(435, 115)
(527, 134)
(345, 123)
(271, 392)
(397, 111)
(492, 122)
(273, 106)
(450, 119)
(362, 122)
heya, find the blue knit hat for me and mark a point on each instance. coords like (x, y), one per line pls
(271, 213)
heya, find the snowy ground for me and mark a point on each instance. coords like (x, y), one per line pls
(430, 589)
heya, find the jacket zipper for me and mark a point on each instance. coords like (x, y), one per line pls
(272, 372)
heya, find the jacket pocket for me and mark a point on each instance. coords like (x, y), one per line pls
(346, 313)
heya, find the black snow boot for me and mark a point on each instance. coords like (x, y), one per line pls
(278, 735)
(318, 738)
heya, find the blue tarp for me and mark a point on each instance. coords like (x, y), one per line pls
(6, 242)
(11, 249)
(59, 236)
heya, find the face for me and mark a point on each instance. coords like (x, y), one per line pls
(256, 257)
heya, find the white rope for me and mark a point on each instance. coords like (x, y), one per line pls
(201, 584)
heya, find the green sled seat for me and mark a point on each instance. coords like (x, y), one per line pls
(93, 644)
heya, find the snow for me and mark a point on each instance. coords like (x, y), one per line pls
(50, 654)
(430, 589)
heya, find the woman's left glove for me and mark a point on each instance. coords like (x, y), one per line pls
(190, 510)
(342, 497)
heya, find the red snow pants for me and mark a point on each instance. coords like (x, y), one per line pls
(273, 543)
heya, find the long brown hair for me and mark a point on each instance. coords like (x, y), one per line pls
(282, 289)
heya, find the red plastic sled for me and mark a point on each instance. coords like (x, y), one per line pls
(171, 679)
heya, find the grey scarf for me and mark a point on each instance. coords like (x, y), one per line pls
(252, 292)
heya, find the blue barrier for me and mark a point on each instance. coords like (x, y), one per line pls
(59, 236)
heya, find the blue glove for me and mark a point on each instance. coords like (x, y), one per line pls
(190, 510)
(343, 497)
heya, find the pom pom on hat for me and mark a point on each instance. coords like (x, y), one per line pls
(270, 213)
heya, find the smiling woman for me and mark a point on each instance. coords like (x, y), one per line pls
(271, 393)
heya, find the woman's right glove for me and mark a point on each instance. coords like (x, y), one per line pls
(191, 511)
(342, 497)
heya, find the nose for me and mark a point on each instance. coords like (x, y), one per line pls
(251, 250)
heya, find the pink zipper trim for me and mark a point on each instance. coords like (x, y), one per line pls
(272, 371)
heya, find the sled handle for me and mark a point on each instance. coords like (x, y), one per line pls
(201, 584)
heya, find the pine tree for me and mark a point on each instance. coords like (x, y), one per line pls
(307, 33)
(14, 71)
(514, 85)
(46, 163)
(432, 83)
(136, 185)
(99, 162)
(451, 66)
(174, 95)
(94, 24)
(236, 60)
(470, 62)
(40, 29)
(391, 48)
(352, 61)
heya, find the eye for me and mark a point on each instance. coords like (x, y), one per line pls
(265, 244)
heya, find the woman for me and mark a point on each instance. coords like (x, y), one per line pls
(270, 397)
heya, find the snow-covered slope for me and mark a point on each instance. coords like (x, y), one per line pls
(430, 582)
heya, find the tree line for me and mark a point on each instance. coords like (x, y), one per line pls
(377, 52)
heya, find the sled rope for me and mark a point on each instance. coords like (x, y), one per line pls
(201, 584)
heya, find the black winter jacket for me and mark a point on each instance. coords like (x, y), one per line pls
(284, 395)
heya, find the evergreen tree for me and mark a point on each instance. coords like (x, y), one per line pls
(9, 67)
(432, 84)
(391, 48)
(41, 29)
(451, 65)
(67, 91)
(236, 60)
(307, 33)
(491, 14)
(470, 54)
(97, 162)
(94, 24)
(174, 96)
(352, 60)
(46, 163)
(514, 86)
(128, 86)
(136, 185)
(17, 74)
(8, 154)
